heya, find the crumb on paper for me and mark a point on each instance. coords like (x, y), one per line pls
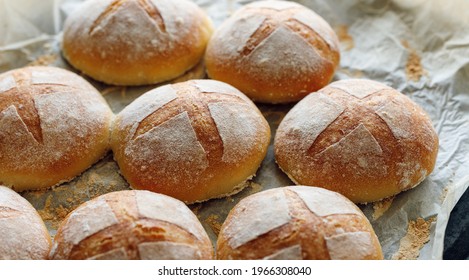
(380, 207)
(413, 69)
(255, 188)
(123, 92)
(196, 209)
(108, 90)
(44, 60)
(444, 193)
(352, 73)
(53, 216)
(213, 222)
(344, 37)
(418, 233)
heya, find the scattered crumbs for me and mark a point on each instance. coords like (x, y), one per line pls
(53, 216)
(255, 188)
(418, 233)
(352, 73)
(413, 69)
(44, 60)
(443, 195)
(195, 209)
(108, 90)
(344, 37)
(380, 207)
(123, 92)
(45, 213)
(214, 224)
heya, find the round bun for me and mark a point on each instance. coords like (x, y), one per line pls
(132, 225)
(194, 141)
(135, 42)
(274, 51)
(53, 126)
(297, 223)
(360, 138)
(23, 234)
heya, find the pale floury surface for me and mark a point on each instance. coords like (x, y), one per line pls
(23, 234)
(131, 225)
(360, 138)
(295, 223)
(53, 126)
(194, 141)
(136, 42)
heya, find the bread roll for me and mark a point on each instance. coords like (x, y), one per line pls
(297, 223)
(135, 42)
(132, 225)
(274, 51)
(23, 234)
(53, 126)
(360, 138)
(194, 141)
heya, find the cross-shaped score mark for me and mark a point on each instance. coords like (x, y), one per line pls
(350, 120)
(196, 104)
(276, 18)
(22, 97)
(146, 5)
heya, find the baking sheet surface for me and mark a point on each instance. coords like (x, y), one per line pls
(418, 47)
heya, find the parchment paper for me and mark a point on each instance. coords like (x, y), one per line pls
(418, 47)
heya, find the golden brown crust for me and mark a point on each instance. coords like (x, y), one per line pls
(306, 232)
(128, 229)
(100, 40)
(194, 141)
(23, 234)
(359, 138)
(53, 126)
(274, 51)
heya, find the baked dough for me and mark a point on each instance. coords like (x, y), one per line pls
(53, 126)
(360, 138)
(296, 223)
(194, 141)
(130, 225)
(273, 51)
(135, 42)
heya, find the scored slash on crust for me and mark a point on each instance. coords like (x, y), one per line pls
(22, 98)
(315, 148)
(276, 18)
(196, 104)
(146, 5)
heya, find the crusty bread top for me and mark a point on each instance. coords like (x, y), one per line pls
(22, 232)
(275, 41)
(145, 225)
(273, 210)
(47, 114)
(359, 130)
(156, 26)
(135, 42)
(185, 128)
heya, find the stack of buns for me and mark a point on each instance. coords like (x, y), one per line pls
(352, 141)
